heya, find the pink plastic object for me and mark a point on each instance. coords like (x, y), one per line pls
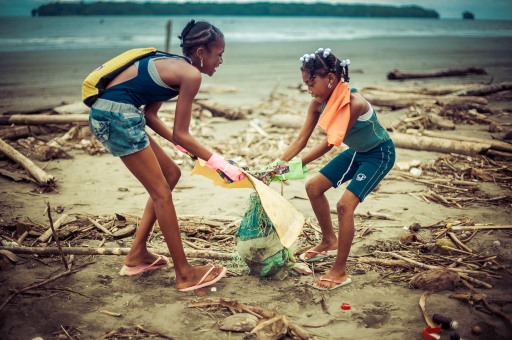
(181, 148)
(217, 162)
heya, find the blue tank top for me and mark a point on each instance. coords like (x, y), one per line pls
(145, 88)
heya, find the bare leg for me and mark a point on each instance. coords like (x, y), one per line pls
(138, 252)
(144, 165)
(316, 188)
(345, 208)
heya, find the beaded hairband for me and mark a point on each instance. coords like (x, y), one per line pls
(326, 52)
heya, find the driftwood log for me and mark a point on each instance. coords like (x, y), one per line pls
(437, 90)
(221, 111)
(455, 72)
(484, 90)
(425, 143)
(442, 90)
(39, 175)
(495, 144)
(16, 132)
(42, 119)
(397, 100)
(110, 251)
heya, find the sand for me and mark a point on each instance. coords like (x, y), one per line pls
(381, 308)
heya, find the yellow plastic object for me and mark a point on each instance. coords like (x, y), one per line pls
(285, 218)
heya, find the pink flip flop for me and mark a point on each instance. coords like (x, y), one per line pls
(144, 267)
(338, 284)
(201, 283)
(319, 255)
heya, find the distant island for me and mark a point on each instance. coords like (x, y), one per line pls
(232, 9)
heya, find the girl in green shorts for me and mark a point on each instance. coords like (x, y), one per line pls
(347, 117)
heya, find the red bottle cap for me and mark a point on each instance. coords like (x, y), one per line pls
(345, 306)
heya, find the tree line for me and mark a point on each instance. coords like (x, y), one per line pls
(232, 9)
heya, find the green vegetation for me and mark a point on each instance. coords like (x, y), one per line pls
(252, 9)
(467, 15)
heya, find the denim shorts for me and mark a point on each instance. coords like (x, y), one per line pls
(119, 127)
(365, 169)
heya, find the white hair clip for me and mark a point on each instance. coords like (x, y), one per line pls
(307, 57)
(345, 62)
(327, 51)
(319, 50)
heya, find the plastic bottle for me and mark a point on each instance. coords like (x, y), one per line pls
(444, 321)
(454, 336)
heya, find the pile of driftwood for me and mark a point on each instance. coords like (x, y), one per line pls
(446, 255)
(204, 236)
(442, 108)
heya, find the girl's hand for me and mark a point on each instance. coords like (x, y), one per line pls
(218, 163)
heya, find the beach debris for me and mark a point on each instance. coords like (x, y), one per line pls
(134, 332)
(75, 108)
(271, 325)
(425, 143)
(422, 302)
(286, 121)
(473, 297)
(125, 232)
(107, 312)
(37, 174)
(39, 283)
(62, 220)
(218, 110)
(435, 280)
(445, 322)
(239, 322)
(302, 268)
(43, 119)
(453, 72)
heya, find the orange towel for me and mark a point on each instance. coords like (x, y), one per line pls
(336, 115)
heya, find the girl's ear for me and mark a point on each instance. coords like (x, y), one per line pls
(331, 77)
(200, 52)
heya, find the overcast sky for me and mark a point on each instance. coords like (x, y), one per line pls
(483, 9)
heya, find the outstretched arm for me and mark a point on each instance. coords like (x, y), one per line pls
(190, 81)
(302, 138)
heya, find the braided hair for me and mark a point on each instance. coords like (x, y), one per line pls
(200, 33)
(323, 62)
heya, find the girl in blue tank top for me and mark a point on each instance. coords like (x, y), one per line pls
(370, 156)
(118, 119)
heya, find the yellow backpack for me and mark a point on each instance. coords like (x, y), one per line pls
(95, 83)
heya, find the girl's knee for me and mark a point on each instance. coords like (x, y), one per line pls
(173, 177)
(162, 194)
(313, 189)
(347, 206)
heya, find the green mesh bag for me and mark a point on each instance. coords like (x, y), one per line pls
(258, 243)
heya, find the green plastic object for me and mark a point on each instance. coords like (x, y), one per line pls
(296, 171)
(258, 244)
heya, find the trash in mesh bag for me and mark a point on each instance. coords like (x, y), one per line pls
(259, 245)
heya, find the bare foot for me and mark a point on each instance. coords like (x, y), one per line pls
(200, 277)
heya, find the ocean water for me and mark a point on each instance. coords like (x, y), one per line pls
(79, 32)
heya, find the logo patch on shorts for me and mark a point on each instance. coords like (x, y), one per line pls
(360, 177)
